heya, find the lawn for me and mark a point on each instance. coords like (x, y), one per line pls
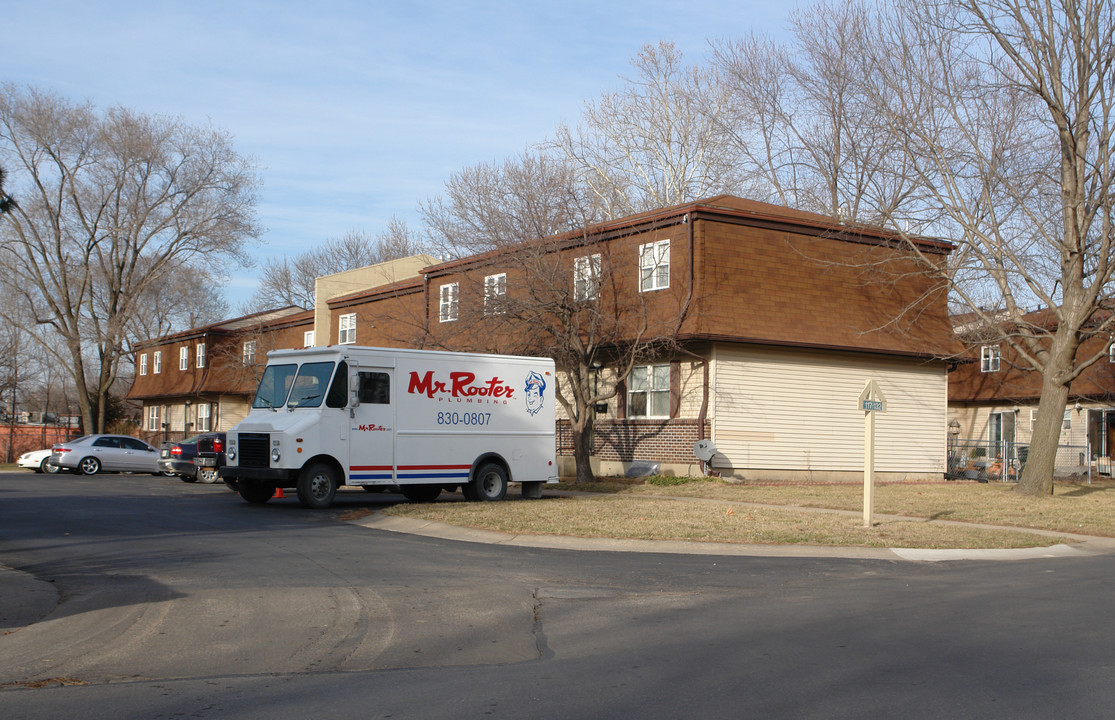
(716, 511)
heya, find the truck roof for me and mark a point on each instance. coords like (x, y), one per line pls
(355, 350)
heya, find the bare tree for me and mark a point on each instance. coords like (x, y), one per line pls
(657, 142)
(112, 204)
(543, 288)
(805, 128)
(289, 282)
(7, 202)
(1005, 108)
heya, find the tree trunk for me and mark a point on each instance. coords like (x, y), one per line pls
(1037, 475)
(582, 446)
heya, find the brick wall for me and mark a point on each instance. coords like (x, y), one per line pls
(669, 441)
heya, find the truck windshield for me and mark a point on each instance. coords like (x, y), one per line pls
(274, 386)
(310, 385)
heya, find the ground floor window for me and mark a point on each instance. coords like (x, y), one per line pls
(648, 392)
(203, 424)
(153, 417)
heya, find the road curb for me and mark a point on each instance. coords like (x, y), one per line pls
(1085, 545)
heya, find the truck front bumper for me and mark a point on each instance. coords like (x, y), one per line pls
(275, 475)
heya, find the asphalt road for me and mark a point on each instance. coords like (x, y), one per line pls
(151, 598)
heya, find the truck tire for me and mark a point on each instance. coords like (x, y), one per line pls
(421, 493)
(317, 484)
(489, 483)
(255, 491)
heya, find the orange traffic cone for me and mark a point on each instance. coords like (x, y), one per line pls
(278, 493)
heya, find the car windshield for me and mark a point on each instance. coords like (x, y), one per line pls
(274, 386)
(310, 384)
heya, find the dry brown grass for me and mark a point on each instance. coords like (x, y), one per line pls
(778, 514)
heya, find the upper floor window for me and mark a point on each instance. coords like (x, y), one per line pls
(495, 291)
(143, 364)
(989, 358)
(346, 329)
(449, 302)
(249, 352)
(157, 362)
(586, 277)
(183, 358)
(200, 355)
(308, 338)
(654, 266)
(648, 391)
(1111, 353)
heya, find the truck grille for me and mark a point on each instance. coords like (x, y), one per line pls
(253, 450)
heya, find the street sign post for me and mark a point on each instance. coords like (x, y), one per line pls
(871, 402)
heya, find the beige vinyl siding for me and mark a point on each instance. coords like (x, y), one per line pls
(232, 411)
(797, 410)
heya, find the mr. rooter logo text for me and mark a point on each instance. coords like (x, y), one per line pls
(461, 387)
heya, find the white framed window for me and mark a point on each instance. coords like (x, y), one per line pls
(157, 362)
(654, 266)
(1066, 421)
(495, 290)
(346, 329)
(143, 364)
(199, 356)
(1111, 353)
(586, 277)
(152, 417)
(308, 338)
(989, 358)
(249, 355)
(648, 391)
(1033, 419)
(203, 422)
(183, 358)
(450, 295)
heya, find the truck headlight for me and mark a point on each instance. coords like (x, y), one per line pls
(231, 454)
(275, 455)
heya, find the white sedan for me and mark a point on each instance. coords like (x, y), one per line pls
(37, 460)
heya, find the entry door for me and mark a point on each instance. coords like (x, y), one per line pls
(1000, 435)
(372, 430)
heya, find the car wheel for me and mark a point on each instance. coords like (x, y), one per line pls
(49, 467)
(255, 491)
(316, 486)
(89, 466)
(490, 483)
(207, 475)
(421, 493)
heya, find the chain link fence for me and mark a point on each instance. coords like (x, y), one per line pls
(998, 461)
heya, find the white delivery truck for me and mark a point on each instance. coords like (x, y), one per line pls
(420, 420)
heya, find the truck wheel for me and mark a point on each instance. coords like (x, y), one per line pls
(207, 475)
(490, 483)
(421, 493)
(256, 491)
(316, 486)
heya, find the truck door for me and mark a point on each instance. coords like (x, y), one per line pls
(372, 430)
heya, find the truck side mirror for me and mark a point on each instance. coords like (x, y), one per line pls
(354, 389)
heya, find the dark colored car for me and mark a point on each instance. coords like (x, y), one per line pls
(210, 458)
(177, 458)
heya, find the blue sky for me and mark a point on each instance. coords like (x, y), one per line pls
(355, 111)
